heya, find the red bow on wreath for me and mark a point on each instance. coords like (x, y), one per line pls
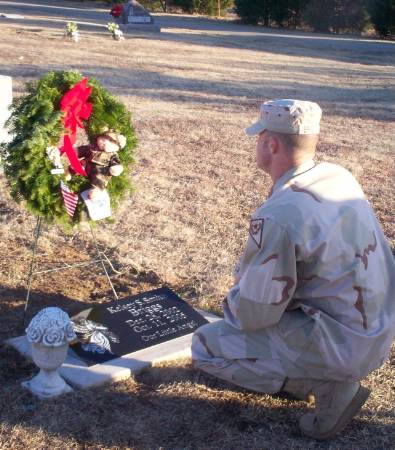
(76, 108)
(116, 10)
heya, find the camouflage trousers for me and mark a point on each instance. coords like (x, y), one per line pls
(223, 351)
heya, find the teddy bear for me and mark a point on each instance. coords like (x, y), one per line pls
(101, 161)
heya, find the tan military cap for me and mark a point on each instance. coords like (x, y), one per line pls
(287, 116)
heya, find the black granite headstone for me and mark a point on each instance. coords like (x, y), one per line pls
(111, 330)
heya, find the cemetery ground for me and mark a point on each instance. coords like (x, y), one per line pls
(192, 89)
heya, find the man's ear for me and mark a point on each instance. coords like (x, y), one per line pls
(274, 144)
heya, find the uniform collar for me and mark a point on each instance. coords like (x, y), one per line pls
(292, 173)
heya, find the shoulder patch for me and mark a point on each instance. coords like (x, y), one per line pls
(256, 231)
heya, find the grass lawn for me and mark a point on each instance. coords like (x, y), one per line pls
(191, 92)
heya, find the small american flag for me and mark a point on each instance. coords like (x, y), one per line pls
(70, 199)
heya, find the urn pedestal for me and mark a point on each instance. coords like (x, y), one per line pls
(75, 37)
(48, 383)
(49, 334)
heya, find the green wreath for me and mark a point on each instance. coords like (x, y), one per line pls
(36, 123)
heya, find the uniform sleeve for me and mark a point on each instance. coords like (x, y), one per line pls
(267, 278)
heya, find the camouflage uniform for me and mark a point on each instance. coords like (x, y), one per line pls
(316, 293)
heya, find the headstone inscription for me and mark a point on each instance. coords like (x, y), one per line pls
(115, 329)
(5, 103)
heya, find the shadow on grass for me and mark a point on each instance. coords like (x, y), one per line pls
(12, 300)
(175, 407)
(12, 304)
(155, 85)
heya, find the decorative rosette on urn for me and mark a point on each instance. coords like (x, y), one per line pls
(51, 327)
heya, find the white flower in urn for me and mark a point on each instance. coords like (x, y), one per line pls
(50, 327)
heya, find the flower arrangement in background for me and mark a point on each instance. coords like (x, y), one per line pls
(116, 11)
(72, 31)
(116, 33)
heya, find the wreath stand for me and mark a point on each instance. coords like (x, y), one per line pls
(101, 259)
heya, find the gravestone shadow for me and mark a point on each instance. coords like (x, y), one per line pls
(12, 303)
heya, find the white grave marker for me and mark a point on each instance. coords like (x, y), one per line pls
(5, 102)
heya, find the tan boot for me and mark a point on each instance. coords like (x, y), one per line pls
(336, 403)
(300, 389)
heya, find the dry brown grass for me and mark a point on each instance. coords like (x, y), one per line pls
(191, 93)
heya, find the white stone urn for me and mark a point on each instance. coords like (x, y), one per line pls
(49, 333)
(118, 35)
(75, 36)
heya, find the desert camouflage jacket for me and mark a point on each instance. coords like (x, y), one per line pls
(318, 275)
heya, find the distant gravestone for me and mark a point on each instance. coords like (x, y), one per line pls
(5, 103)
(115, 329)
(135, 17)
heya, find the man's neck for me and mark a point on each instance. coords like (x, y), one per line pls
(277, 172)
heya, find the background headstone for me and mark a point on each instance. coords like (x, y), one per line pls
(5, 102)
(135, 17)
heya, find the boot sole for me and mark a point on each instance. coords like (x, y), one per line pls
(352, 409)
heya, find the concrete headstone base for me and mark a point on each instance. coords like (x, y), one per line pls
(139, 28)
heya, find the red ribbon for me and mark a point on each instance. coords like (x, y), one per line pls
(76, 108)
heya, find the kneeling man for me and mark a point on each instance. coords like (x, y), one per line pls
(312, 310)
